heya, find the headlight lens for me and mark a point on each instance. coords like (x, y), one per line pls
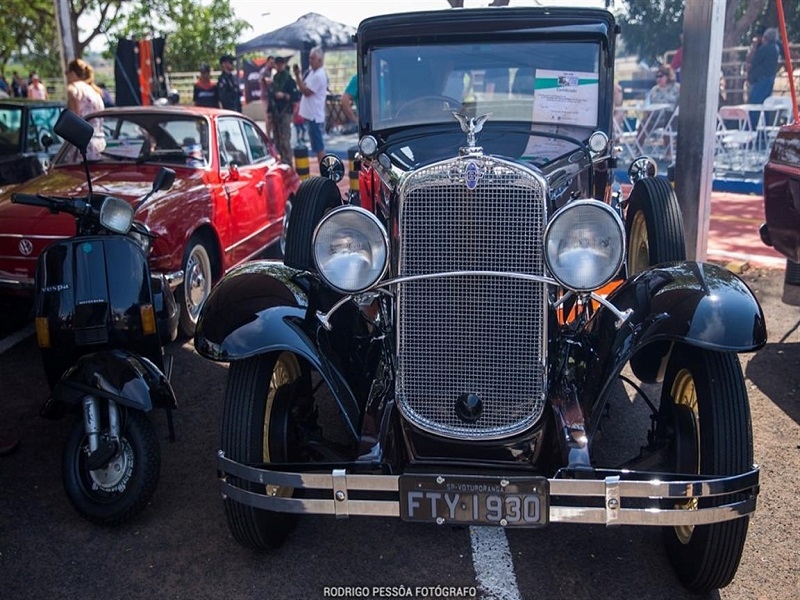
(116, 215)
(585, 245)
(351, 249)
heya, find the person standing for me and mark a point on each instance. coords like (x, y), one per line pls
(314, 89)
(228, 89)
(36, 88)
(349, 104)
(265, 76)
(205, 90)
(85, 97)
(18, 87)
(762, 61)
(283, 93)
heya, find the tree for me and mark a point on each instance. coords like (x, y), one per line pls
(33, 32)
(196, 31)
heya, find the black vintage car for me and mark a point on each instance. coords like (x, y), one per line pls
(27, 141)
(472, 308)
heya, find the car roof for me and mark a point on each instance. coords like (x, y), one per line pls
(31, 103)
(170, 110)
(499, 21)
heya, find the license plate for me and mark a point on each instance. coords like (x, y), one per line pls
(505, 501)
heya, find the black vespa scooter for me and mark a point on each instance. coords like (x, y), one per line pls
(101, 322)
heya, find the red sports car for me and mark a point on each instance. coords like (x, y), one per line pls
(226, 206)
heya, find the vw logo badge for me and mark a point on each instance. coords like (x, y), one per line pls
(25, 247)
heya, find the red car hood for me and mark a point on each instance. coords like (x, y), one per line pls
(127, 182)
(40, 227)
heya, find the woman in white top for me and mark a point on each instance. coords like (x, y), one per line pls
(83, 98)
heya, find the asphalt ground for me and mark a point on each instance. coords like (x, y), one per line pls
(180, 546)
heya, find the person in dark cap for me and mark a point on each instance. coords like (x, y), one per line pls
(228, 89)
(205, 90)
(283, 95)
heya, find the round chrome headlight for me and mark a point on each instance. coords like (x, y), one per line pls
(584, 245)
(351, 249)
(116, 215)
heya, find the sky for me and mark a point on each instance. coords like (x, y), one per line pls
(269, 15)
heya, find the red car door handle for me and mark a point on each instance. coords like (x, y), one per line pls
(260, 186)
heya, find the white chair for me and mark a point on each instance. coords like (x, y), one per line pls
(777, 112)
(663, 138)
(735, 148)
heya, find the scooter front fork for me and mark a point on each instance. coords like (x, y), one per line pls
(101, 448)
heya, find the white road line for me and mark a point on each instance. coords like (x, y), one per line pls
(15, 338)
(494, 567)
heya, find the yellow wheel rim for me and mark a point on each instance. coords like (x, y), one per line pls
(285, 372)
(639, 251)
(684, 394)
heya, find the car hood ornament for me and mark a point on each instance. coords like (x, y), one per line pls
(471, 126)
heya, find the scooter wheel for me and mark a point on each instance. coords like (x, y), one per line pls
(116, 492)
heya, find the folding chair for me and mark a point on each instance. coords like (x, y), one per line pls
(735, 140)
(777, 112)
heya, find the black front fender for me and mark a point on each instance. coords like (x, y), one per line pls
(699, 304)
(258, 308)
(236, 315)
(125, 377)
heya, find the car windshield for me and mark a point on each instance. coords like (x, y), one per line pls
(548, 84)
(175, 140)
(10, 126)
(41, 121)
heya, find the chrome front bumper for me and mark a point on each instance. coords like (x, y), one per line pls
(606, 496)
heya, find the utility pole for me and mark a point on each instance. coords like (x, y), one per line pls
(703, 28)
(67, 46)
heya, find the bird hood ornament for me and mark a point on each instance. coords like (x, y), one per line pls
(471, 126)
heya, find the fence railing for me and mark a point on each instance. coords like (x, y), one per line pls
(733, 80)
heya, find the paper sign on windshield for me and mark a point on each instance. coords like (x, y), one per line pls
(566, 97)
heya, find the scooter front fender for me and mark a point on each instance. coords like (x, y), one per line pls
(125, 377)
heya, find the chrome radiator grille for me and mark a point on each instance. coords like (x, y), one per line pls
(472, 333)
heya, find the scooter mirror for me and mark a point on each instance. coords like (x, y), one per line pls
(74, 129)
(164, 179)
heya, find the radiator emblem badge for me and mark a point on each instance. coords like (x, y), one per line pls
(472, 175)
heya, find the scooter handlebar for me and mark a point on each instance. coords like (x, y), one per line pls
(73, 206)
(32, 200)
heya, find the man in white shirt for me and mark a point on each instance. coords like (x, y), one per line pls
(314, 90)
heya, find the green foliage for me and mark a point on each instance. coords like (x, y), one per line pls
(196, 31)
(651, 27)
(29, 36)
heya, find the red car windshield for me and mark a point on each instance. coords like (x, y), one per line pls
(173, 140)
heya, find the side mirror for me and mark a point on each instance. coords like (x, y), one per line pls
(74, 129)
(164, 180)
(46, 140)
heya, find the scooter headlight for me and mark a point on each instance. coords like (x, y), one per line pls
(116, 215)
(584, 245)
(351, 249)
